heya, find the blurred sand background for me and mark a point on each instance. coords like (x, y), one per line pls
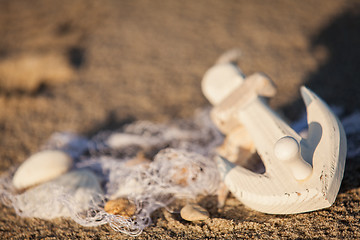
(86, 66)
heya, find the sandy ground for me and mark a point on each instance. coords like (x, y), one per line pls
(86, 66)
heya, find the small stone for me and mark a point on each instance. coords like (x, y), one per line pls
(41, 167)
(120, 206)
(194, 212)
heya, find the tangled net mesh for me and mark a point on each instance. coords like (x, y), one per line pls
(149, 164)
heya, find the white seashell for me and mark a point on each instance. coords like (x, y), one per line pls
(118, 140)
(62, 197)
(41, 167)
(194, 212)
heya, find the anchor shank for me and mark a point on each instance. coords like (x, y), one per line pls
(265, 128)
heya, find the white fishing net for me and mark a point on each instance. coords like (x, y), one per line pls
(149, 164)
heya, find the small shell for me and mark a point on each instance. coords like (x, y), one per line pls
(194, 212)
(120, 206)
(41, 167)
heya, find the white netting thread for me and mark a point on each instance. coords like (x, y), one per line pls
(182, 167)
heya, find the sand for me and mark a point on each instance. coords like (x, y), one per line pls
(97, 65)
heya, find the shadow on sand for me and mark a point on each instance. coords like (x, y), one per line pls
(337, 80)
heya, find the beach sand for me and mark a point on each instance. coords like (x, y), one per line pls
(86, 66)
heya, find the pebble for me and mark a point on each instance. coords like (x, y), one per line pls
(120, 206)
(194, 212)
(41, 167)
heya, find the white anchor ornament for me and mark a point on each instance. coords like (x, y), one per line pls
(301, 174)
